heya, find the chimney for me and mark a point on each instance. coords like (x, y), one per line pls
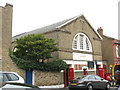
(100, 31)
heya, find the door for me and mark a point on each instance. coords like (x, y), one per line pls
(29, 76)
(93, 81)
(100, 81)
(71, 74)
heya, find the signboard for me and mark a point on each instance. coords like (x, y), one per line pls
(82, 56)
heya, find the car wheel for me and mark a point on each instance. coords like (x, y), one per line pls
(90, 87)
(107, 86)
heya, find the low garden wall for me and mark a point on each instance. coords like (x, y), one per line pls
(48, 78)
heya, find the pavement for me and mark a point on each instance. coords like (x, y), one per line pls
(62, 86)
(53, 86)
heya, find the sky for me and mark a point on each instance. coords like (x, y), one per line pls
(32, 14)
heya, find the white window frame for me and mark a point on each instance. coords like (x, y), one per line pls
(117, 51)
(84, 43)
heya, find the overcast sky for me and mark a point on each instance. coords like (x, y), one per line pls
(32, 14)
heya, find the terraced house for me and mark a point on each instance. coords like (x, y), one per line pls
(79, 46)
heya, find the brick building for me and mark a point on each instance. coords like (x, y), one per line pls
(110, 49)
(79, 46)
(5, 35)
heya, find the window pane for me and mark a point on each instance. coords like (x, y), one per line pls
(5, 78)
(98, 78)
(13, 76)
(87, 44)
(75, 42)
(117, 51)
(91, 77)
(81, 41)
(90, 64)
(1, 77)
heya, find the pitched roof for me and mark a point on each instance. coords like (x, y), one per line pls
(50, 28)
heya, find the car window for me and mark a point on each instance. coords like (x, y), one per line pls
(1, 77)
(97, 77)
(91, 77)
(13, 77)
(80, 77)
(5, 78)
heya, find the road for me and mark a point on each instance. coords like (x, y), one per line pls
(112, 88)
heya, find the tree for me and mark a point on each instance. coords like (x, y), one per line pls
(29, 50)
(34, 47)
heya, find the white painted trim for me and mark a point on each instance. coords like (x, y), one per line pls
(75, 62)
(33, 77)
(69, 21)
(72, 62)
(84, 42)
(101, 63)
(82, 70)
(76, 18)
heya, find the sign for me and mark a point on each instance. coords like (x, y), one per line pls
(82, 56)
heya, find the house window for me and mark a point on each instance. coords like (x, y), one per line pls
(117, 51)
(81, 42)
(90, 65)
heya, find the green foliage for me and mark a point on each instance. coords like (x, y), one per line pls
(55, 65)
(31, 49)
(35, 47)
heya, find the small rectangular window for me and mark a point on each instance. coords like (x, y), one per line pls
(91, 65)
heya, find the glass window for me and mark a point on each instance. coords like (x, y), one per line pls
(81, 42)
(13, 77)
(91, 77)
(97, 77)
(117, 51)
(1, 77)
(75, 42)
(90, 64)
(5, 78)
(87, 44)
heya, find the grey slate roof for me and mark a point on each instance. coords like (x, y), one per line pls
(51, 28)
(43, 29)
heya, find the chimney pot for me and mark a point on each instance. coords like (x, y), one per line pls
(100, 31)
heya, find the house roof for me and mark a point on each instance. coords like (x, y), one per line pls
(51, 28)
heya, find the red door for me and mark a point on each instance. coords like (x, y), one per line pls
(71, 74)
(101, 72)
(68, 76)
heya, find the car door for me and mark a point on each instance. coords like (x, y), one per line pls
(93, 81)
(101, 82)
(5, 77)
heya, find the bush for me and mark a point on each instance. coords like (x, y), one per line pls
(55, 65)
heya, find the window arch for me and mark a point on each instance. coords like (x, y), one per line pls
(81, 42)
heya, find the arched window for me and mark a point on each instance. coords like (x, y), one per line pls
(81, 42)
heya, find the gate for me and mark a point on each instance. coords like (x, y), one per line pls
(29, 76)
